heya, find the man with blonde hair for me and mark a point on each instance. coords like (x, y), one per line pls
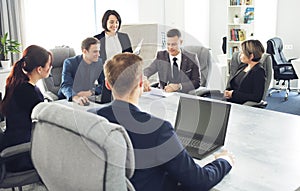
(162, 163)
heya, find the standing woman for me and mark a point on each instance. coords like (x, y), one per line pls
(112, 42)
(248, 83)
(21, 95)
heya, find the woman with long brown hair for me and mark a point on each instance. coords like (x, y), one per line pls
(21, 95)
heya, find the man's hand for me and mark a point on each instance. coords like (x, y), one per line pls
(228, 94)
(172, 87)
(147, 86)
(81, 100)
(227, 156)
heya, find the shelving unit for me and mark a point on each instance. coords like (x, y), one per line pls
(240, 24)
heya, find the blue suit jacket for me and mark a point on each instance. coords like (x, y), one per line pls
(68, 75)
(161, 161)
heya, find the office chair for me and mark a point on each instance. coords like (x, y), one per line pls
(16, 179)
(80, 150)
(266, 62)
(52, 83)
(205, 60)
(283, 69)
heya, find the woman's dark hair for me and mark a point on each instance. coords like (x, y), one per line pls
(106, 16)
(33, 57)
(253, 47)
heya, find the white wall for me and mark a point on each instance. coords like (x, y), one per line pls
(151, 11)
(196, 22)
(55, 22)
(128, 10)
(265, 20)
(217, 25)
(68, 22)
(287, 26)
(191, 17)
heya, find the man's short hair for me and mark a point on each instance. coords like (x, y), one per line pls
(123, 72)
(86, 43)
(173, 33)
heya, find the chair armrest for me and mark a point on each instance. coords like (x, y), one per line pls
(261, 104)
(15, 150)
(283, 65)
(130, 187)
(50, 96)
(292, 59)
(204, 92)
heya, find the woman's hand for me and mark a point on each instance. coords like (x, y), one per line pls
(228, 94)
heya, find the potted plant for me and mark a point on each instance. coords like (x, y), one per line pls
(8, 46)
(236, 19)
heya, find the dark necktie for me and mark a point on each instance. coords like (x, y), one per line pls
(175, 69)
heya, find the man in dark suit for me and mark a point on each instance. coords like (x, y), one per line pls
(161, 162)
(178, 69)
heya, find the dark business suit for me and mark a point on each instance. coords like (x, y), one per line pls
(124, 41)
(189, 70)
(126, 47)
(251, 87)
(160, 159)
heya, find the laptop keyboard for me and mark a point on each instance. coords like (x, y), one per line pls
(194, 143)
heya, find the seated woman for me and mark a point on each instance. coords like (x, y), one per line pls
(248, 83)
(21, 95)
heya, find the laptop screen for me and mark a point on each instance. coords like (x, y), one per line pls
(202, 119)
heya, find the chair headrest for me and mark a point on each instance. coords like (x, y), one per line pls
(60, 53)
(88, 125)
(276, 44)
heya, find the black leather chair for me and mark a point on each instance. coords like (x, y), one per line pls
(16, 179)
(283, 69)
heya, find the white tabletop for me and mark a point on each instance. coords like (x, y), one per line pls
(266, 144)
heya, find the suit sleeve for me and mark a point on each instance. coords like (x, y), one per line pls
(152, 68)
(67, 80)
(127, 44)
(257, 91)
(183, 169)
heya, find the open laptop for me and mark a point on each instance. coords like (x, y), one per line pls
(201, 125)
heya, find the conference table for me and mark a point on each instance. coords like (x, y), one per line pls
(266, 144)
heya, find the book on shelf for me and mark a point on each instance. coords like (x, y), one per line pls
(240, 2)
(237, 34)
(249, 15)
(248, 2)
